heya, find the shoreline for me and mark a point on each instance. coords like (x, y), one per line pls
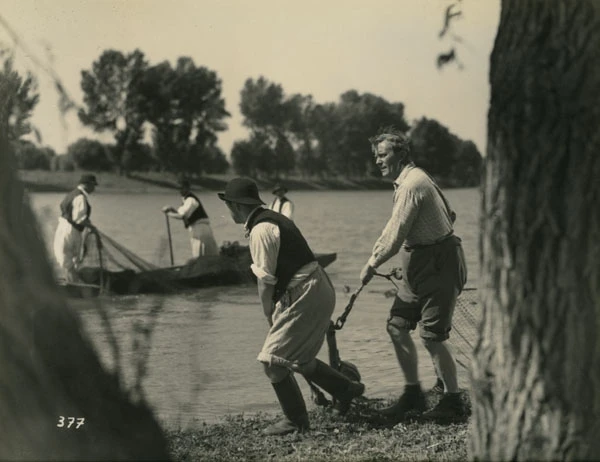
(41, 181)
(37, 181)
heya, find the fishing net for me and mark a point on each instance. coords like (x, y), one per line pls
(101, 251)
(105, 262)
(465, 327)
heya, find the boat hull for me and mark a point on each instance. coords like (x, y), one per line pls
(207, 271)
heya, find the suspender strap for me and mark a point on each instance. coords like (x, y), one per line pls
(451, 212)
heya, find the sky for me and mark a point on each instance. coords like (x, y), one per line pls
(318, 47)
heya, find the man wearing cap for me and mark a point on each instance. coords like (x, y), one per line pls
(281, 204)
(195, 219)
(297, 299)
(75, 211)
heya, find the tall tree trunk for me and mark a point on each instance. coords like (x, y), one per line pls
(48, 368)
(536, 377)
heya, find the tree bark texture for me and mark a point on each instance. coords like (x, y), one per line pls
(48, 368)
(536, 374)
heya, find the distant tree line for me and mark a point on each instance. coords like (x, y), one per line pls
(167, 118)
(295, 135)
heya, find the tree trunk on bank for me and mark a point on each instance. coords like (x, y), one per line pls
(536, 376)
(48, 368)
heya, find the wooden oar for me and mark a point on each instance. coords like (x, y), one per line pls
(170, 241)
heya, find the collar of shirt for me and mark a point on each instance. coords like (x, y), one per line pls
(254, 212)
(85, 193)
(403, 174)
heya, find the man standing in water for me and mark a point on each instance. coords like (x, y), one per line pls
(434, 273)
(195, 219)
(297, 299)
(75, 211)
(281, 204)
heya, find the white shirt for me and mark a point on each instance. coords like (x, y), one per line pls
(287, 209)
(79, 206)
(265, 241)
(188, 207)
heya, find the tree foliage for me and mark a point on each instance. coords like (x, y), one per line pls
(444, 155)
(24, 97)
(31, 157)
(186, 111)
(90, 155)
(294, 134)
(113, 102)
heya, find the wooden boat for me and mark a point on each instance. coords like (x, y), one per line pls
(232, 266)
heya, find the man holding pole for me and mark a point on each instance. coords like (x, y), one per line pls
(434, 273)
(297, 299)
(195, 219)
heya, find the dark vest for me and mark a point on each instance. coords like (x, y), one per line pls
(282, 201)
(294, 251)
(197, 214)
(66, 208)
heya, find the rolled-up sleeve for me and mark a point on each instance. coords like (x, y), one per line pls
(188, 207)
(264, 249)
(404, 212)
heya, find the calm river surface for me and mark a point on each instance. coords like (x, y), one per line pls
(202, 361)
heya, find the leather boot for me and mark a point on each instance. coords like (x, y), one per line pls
(337, 385)
(293, 406)
(412, 399)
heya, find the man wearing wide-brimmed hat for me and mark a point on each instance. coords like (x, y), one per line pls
(281, 204)
(75, 211)
(195, 219)
(297, 299)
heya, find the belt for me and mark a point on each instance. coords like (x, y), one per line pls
(424, 246)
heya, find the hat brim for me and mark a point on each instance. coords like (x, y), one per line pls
(284, 190)
(240, 200)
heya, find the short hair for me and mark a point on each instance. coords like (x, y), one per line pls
(398, 140)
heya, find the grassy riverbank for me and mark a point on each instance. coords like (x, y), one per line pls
(360, 436)
(147, 182)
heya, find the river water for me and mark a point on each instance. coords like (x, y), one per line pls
(201, 361)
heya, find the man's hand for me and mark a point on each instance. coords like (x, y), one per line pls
(167, 209)
(367, 274)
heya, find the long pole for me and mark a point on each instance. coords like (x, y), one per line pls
(170, 241)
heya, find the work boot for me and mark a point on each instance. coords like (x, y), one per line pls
(438, 388)
(337, 385)
(412, 399)
(449, 408)
(294, 410)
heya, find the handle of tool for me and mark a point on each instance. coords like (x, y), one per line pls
(170, 240)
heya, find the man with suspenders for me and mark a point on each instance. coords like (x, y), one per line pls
(421, 232)
(281, 204)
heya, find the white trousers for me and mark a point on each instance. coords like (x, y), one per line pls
(67, 245)
(202, 240)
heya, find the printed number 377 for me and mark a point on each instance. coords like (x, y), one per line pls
(69, 421)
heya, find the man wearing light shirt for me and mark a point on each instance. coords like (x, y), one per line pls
(75, 211)
(298, 300)
(281, 204)
(195, 219)
(421, 231)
